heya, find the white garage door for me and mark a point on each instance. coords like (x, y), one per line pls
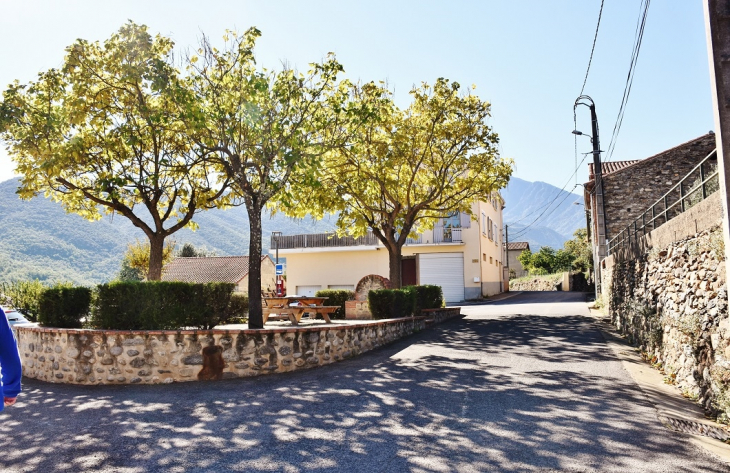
(445, 270)
(308, 291)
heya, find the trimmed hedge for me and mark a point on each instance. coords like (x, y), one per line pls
(390, 303)
(425, 297)
(163, 305)
(237, 310)
(380, 302)
(336, 297)
(397, 303)
(63, 307)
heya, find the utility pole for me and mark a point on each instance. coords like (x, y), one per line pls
(600, 250)
(506, 252)
(717, 29)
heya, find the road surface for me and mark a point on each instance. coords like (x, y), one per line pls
(526, 384)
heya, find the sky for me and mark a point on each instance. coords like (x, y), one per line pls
(528, 59)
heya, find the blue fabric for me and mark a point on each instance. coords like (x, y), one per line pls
(9, 361)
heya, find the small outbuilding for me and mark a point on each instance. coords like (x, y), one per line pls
(232, 269)
(514, 250)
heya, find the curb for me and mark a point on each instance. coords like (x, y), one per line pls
(673, 411)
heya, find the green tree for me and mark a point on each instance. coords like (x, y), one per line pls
(136, 261)
(104, 132)
(546, 261)
(404, 169)
(581, 249)
(261, 125)
(189, 250)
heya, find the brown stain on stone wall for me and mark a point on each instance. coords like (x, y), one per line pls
(213, 363)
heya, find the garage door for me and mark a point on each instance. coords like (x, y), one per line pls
(445, 270)
(308, 291)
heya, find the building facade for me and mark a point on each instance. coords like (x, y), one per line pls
(514, 250)
(462, 255)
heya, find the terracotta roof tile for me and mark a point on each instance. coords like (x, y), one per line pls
(611, 166)
(616, 166)
(207, 269)
(518, 245)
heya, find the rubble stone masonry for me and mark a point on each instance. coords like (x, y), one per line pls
(668, 295)
(152, 357)
(631, 191)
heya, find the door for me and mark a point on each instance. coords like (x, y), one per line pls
(408, 271)
(445, 270)
(308, 291)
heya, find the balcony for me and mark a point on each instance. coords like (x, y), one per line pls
(331, 240)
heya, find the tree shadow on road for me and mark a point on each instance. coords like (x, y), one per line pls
(443, 400)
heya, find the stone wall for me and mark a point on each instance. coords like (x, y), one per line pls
(536, 283)
(630, 192)
(151, 357)
(668, 295)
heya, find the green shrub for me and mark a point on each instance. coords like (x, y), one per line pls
(380, 302)
(23, 296)
(336, 297)
(391, 303)
(403, 302)
(162, 305)
(237, 309)
(63, 307)
(425, 297)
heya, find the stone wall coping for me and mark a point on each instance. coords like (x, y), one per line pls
(264, 331)
(450, 309)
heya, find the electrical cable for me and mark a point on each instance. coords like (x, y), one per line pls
(638, 37)
(575, 146)
(593, 48)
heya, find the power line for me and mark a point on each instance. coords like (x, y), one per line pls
(545, 207)
(593, 48)
(638, 36)
(567, 194)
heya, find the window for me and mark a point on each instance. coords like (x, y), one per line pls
(490, 235)
(490, 260)
(484, 224)
(484, 256)
(495, 234)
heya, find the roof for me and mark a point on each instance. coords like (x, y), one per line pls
(610, 167)
(207, 269)
(705, 142)
(518, 245)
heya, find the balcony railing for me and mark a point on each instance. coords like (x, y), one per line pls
(331, 240)
(447, 235)
(696, 186)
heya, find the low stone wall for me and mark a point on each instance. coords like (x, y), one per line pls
(436, 316)
(152, 357)
(668, 295)
(536, 283)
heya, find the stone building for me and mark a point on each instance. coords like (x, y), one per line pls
(632, 187)
(514, 250)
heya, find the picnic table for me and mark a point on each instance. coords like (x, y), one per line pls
(296, 306)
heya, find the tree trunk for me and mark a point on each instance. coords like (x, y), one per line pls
(255, 311)
(157, 246)
(395, 259)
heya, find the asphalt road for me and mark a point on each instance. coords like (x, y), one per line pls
(526, 384)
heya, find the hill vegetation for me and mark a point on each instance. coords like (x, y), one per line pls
(40, 241)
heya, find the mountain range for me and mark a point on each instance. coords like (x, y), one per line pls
(541, 214)
(38, 240)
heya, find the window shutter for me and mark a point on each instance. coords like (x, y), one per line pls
(465, 220)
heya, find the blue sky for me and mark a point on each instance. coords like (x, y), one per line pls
(527, 58)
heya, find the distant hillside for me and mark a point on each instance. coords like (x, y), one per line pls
(527, 201)
(39, 240)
